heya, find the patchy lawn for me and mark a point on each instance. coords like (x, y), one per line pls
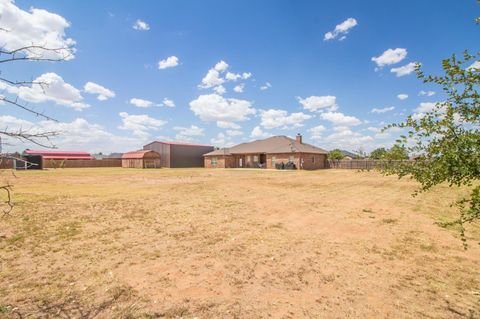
(232, 244)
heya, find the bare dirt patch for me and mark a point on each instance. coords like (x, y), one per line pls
(128, 243)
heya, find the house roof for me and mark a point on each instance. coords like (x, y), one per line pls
(222, 151)
(59, 154)
(349, 154)
(271, 145)
(178, 143)
(136, 154)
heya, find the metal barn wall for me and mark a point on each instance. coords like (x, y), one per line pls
(188, 155)
(163, 150)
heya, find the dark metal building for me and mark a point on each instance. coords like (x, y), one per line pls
(175, 155)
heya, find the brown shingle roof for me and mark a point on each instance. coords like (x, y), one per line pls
(271, 145)
(223, 151)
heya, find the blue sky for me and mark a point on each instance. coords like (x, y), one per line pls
(293, 76)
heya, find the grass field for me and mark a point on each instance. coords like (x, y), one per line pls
(198, 243)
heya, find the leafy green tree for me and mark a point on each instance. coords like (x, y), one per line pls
(335, 154)
(378, 153)
(446, 140)
(396, 153)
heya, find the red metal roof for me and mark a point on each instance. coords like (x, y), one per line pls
(178, 143)
(135, 154)
(68, 157)
(42, 152)
(59, 154)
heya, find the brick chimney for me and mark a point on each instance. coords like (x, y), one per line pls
(299, 138)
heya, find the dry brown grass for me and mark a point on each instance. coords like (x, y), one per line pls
(128, 243)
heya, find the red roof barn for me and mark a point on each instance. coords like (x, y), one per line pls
(40, 157)
(60, 154)
(141, 159)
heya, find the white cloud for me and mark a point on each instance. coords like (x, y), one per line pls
(319, 103)
(12, 123)
(235, 76)
(221, 140)
(424, 108)
(88, 136)
(141, 102)
(214, 107)
(317, 132)
(337, 118)
(140, 124)
(103, 92)
(239, 88)
(232, 76)
(257, 133)
(344, 138)
(220, 89)
(36, 27)
(52, 89)
(221, 66)
(234, 133)
(212, 79)
(188, 133)
(390, 56)
(404, 70)
(280, 118)
(141, 25)
(79, 134)
(226, 124)
(168, 103)
(170, 62)
(215, 79)
(382, 110)
(373, 129)
(427, 93)
(341, 29)
(266, 86)
(402, 96)
(475, 65)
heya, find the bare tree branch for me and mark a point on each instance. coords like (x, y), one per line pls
(8, 189)
(37, 53)
(34, 138)
(24, 83)
(26, 108)
(27, 53)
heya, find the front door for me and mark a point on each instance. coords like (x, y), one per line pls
(240, 162)
(263, 160)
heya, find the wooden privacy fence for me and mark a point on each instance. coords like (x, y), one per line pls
(361, 164)
(108, 162)
(6, 163)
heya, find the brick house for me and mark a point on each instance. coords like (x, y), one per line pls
(268, 152)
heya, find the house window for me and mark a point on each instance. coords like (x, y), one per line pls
(291, 158)
(313, 159)
(274, 159)
(213, 161)
(255, 158)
